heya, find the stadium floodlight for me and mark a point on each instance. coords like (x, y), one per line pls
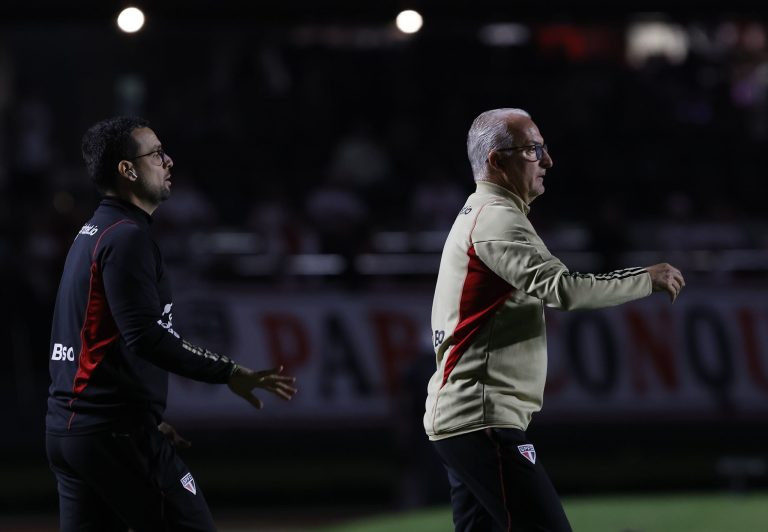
(409, 21)
(130, 20)
(654, 38)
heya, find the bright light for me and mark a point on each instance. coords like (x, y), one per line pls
(130, 20)
(656, 38)
(409, 21)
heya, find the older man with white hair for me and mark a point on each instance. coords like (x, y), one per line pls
(489, 336)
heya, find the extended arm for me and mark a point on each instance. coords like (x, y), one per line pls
(506, 242)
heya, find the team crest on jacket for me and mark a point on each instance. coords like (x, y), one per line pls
(189, 483)
(528, 452)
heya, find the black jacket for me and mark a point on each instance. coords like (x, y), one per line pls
(112, 339)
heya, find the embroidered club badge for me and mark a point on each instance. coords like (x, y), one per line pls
(528, 452)
(189, 483)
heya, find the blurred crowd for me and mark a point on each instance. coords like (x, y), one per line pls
(345, 141)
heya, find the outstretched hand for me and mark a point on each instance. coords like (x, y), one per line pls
(243, 381)
(667, 278)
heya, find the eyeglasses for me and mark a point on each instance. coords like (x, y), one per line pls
(159, 157)
(532, 152)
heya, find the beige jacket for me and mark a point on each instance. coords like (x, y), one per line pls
(488, 329)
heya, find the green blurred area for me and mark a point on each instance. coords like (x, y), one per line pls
(650, 513)
(338, 480)
(659, 513)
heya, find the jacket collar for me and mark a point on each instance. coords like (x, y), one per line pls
(486, 187)
(133, 212)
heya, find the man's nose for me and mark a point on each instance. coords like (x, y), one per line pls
(167, 162)
(546, 161)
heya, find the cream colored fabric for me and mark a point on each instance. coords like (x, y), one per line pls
(488, 328)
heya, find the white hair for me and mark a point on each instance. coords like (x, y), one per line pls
(489, 132)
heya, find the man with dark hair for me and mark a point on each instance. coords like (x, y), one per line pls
(105, 144)
(488, 331)
(112, 346)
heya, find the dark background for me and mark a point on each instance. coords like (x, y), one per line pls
(315, 128)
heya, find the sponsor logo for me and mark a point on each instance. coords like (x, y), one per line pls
(528, 452)
(168, 323)
(62, 352)
(89, 229)
(438, 337)
(189, 483)
(466, 209)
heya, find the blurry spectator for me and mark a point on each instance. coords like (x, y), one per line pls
(434, 200)
(423, 481)
(609, 235)
(190, 208)
(719, 230)
(283, 230)
(32, 150)
(340, 217)
(359, 161)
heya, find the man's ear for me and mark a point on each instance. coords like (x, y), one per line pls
(494, 161)
(126, 170)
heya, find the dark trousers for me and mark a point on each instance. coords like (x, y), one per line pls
(497, 483)
(125, 478)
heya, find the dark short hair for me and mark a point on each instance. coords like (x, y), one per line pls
(105, 144)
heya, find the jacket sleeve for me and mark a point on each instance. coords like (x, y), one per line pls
(130, 268)
(506, 242)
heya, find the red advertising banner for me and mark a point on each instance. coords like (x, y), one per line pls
(706, 354)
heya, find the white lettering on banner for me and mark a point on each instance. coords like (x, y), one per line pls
(647, 357)
(356, 356)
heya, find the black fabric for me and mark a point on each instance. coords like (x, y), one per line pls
(495, 488)
(129, 477)
(112, 338)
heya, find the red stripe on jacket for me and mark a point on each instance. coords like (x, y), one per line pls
(99, 328)
(98, 333)
(482, 294)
